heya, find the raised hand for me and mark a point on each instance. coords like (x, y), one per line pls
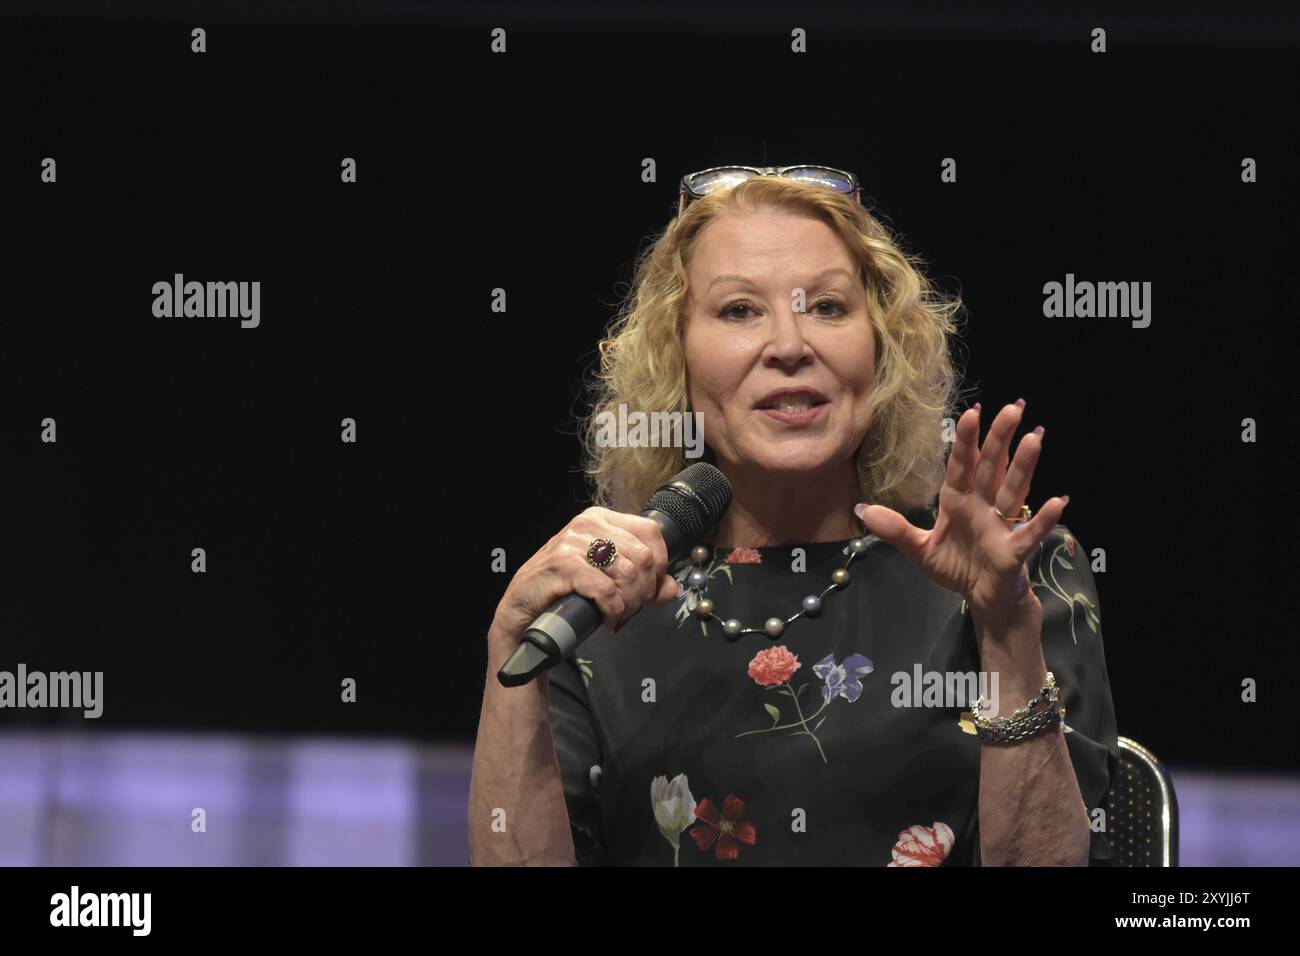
(971, 550)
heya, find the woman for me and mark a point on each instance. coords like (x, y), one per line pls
(803, 688)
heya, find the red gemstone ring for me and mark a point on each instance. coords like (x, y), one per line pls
(602, 553)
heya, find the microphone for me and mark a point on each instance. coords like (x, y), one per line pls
(687, 506)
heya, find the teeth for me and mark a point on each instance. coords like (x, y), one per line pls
(793, 405)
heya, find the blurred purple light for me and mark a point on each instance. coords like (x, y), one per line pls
(92, 799)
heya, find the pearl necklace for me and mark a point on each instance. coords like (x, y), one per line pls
(773, 627)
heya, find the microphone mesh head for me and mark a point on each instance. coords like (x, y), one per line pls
(695, 498)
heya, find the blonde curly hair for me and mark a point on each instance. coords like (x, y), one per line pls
(901, 460)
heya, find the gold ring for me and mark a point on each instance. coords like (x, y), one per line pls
(1024, 515)
(602, 553)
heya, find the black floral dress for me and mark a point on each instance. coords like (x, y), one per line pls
(845, 741)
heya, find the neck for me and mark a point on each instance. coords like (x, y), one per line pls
(774, 510)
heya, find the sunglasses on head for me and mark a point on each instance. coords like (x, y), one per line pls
(699, 184)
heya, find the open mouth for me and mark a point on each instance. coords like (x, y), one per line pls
(797, 405)
(793, 402)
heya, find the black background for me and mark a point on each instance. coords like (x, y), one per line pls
(523, 171)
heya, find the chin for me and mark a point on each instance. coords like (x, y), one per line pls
(795, 463)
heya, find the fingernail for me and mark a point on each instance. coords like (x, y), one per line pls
(1065, 498)
(976, 406)
(858, 509)
(1039, 431)
(1020, 403)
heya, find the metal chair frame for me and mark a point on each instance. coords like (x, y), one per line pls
(1168, 810)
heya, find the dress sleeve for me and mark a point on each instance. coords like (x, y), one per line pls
(1060, 573)
(578, 748)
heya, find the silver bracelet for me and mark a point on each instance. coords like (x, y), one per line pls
(1041, 714)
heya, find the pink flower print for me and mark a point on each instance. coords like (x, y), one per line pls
(920, 845)
(776, 665)
(773, 669)
(743, 556)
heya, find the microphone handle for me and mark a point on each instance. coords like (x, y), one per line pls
(568, 622)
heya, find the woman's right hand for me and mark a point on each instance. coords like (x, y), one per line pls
(638, 577)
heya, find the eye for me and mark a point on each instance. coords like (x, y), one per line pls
(836, 308)
(827, 308)
(729, 311)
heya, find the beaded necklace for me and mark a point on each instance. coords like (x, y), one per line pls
(698, 581)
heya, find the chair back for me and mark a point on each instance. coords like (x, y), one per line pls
(1142, 809)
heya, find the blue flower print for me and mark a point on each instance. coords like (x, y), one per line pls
(842, 679)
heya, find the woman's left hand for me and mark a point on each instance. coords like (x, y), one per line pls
(970, 549)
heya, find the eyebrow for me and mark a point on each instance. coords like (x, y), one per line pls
(815, 279)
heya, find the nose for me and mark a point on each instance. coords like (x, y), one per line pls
(786, 343)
